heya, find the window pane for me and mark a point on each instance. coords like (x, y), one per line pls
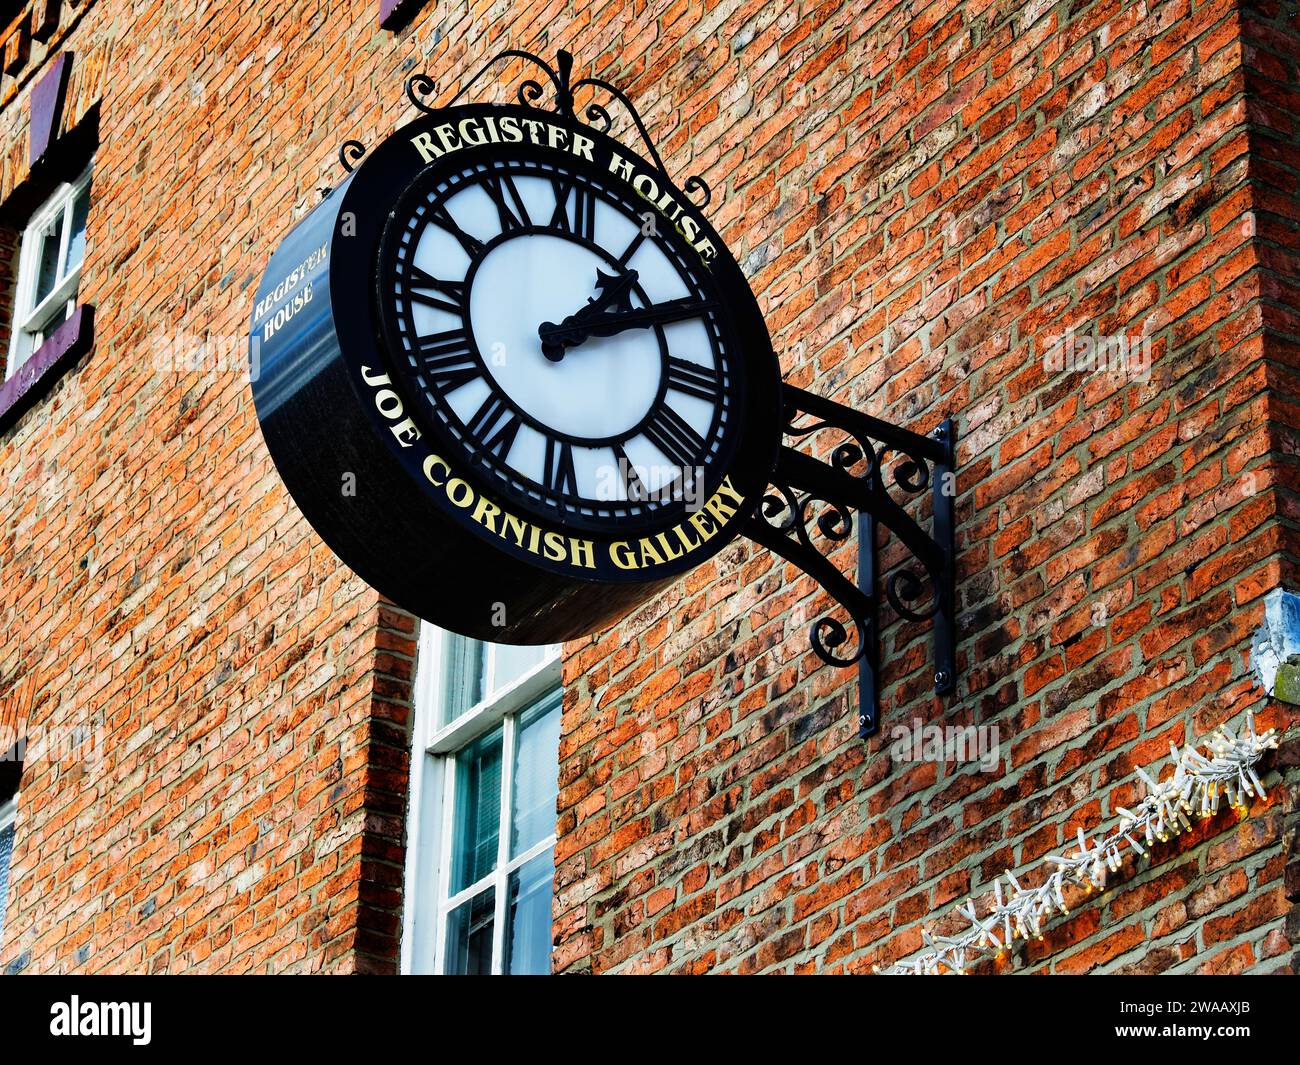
(528, 917)
(77, 237)
(477, 812)
(47, 267)
(536, 772)
(463, 677)
(6, 852)
(512, 662)
(469, 937)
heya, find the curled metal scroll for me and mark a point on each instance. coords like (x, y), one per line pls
(349, 152)
(869, 460)
(867, 463)
(787, 515)
(418, 86)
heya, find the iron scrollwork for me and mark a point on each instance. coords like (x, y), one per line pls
(349, 152)
(421, 90)
(858, 476)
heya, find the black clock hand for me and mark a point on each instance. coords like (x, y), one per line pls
(614, 289)
(571, 332)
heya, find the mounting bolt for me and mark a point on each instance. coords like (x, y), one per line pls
(941, 679)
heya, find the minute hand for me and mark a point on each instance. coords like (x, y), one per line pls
(576, 328)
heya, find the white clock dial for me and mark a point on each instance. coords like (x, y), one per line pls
(574, 352)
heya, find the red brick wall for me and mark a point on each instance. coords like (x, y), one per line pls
(920, 194)
(248, 695)
(1271, 35)
(923, 195)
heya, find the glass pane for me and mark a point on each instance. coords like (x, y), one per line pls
(47, 269)
(469, 937)
(512, 662)
(528, 917)
(463, 676)
(536, 775)
(6, 852)
(477, 811)
(77, 236)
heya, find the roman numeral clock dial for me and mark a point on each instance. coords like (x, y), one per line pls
(512, 375)
(561, 337)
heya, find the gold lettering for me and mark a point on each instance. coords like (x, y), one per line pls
(424, 145)
(516, 527)
(471, 133)
(582, 146)
(430, 464)
(649, 554)
(553, 546)
(389, 403)
(684, 535)
(459, 492)
(720, 510)
(619, 166)
(668, 548)
(485, 513)
(510, 129)
(665, 202)
(702, 525)
(621, 554)
(582, 552)
(645, 185)
(726, 488)
(447, 135)
(406, 432)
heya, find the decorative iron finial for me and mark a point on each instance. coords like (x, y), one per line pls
(349, 152)
(420, 89)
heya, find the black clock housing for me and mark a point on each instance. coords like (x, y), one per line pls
(390, 475)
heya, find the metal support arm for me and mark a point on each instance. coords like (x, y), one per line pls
(826, 494)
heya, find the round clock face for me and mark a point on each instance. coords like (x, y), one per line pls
(563, 335)
(512, 375)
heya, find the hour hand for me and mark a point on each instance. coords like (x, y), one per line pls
(574, 330)
(614, 296)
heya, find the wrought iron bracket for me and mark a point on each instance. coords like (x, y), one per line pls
(804, 489)
(827, 494)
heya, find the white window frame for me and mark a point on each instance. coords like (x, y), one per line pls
(8, 815)
(32, 324)
(429, 829)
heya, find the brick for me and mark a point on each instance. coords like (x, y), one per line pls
(922, 197)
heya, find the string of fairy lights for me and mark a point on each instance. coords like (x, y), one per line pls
(1196, 788)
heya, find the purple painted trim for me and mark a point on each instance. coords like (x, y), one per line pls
(61, 349)
(47, 105)
(394, 14)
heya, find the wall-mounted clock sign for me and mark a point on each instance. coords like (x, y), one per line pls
(517, 382)
(512, 376)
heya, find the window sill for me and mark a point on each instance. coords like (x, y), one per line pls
(47, 364)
